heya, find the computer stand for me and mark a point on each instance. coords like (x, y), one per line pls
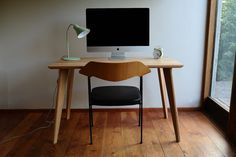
(117, 55)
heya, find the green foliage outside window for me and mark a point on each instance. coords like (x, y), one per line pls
(227, 45)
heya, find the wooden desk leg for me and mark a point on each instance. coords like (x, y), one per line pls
(163, 91)
(63, 74)
(69, 92)
(171, 95)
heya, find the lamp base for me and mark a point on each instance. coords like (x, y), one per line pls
(65, 58)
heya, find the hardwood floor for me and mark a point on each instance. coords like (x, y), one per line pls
(115, 133)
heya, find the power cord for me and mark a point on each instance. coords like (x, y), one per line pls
(49, 122)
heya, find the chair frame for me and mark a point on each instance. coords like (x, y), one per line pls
(100, 69)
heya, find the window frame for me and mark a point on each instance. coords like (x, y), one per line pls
(224, 118)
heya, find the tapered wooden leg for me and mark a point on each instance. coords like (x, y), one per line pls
(170, 90)
(69, 92)
(163, 91)
(59, 102)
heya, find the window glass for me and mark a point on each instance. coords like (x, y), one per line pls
(225, 47)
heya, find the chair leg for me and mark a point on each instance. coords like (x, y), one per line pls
(90, 123)
(139, 116)
(92, 117)
(141, 121)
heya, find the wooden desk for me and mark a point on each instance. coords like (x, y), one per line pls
(66, 75)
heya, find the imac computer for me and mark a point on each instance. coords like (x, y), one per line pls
(117, 30)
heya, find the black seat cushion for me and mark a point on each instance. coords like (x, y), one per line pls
(115, 95)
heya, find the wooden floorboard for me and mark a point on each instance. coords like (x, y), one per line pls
(9, 122)
(201, 142)
(26, 141)
(216, 136)
(151, 146)
(167, 137)
(20, 129)
(115, 134)
(80, 139)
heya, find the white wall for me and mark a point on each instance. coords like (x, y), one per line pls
(32, 35)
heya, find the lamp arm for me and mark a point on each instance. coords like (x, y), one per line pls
(67, 40)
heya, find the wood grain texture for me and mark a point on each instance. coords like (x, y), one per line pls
(69, 92)
(79, 142)
(131, 134)
(171, 96)
(151, 146)
(114, 71)
(166, 136)
(201, 138)
(163, 91)
(116, 133)
(113, 136)
(8, 122)
(209, 48)
(20, 129)
(210, 131)
(63, 74)
(150, 62)
(27, 141)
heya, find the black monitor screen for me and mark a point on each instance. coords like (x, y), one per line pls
(118, 26)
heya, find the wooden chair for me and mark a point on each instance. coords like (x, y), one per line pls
(115, 95)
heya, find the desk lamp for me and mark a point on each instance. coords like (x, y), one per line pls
(81, 32)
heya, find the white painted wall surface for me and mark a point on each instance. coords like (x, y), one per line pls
(32, 35)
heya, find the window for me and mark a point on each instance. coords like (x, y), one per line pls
(224, 52)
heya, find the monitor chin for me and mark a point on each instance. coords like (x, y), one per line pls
(117, 56)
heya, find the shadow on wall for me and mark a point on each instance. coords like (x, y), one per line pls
(33, 89)
(26, 82)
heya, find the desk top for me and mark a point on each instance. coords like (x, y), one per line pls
(150, 62)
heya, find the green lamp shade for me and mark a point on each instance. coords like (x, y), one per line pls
(80, 31)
